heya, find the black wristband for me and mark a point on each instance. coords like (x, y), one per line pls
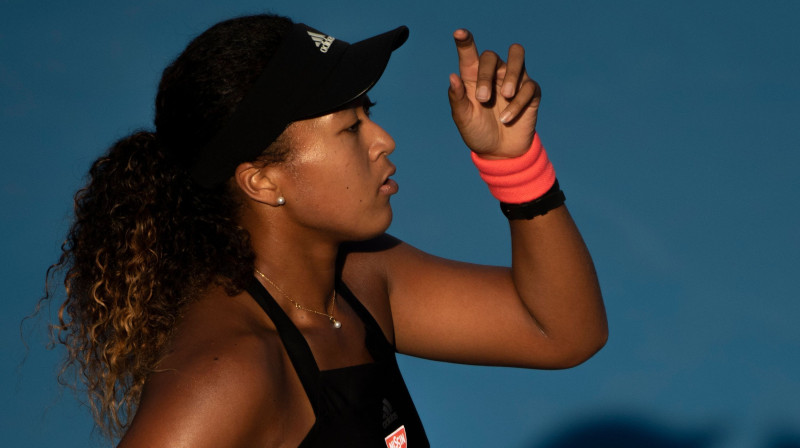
(537, 207)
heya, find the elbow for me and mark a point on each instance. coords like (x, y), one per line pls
(578, 347)
(582, 352)
(593, 346)
(574, 353)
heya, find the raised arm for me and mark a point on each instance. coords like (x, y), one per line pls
(546, 311)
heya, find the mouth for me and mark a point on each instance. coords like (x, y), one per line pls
(389, 186)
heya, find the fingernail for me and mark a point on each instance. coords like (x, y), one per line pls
(505, 117)
(508, 90)
(482, 94)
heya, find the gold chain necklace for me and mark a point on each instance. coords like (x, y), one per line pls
(336, 324)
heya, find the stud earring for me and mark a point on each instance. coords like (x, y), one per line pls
(281, 200)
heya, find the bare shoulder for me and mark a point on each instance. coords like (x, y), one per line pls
(362, 260)
(375, 268)
(377, 254)
(372, 265)
(365, 270)
(222, 378)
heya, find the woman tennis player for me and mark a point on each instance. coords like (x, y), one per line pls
(228, 278)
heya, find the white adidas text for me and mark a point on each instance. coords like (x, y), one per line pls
(322, 41)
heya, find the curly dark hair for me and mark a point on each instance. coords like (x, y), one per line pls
(146, 240)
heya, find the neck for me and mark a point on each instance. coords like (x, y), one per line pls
(300, 263)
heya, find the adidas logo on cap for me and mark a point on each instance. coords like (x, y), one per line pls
(322, 41)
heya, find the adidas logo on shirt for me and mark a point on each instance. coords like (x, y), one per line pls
(322, 41)
(389, 415)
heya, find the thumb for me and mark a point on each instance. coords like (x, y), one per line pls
(459, 103)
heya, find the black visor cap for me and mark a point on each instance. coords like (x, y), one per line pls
(310, 74)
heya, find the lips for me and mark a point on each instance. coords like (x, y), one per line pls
(389, 185)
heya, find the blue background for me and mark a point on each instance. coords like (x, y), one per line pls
(673, 128)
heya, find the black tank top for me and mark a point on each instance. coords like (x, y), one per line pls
(366, 405)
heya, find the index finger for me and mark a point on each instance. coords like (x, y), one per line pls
(467, 52)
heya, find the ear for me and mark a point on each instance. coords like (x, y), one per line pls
(259, 182)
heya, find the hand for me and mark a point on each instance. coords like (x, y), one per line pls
(494, 103)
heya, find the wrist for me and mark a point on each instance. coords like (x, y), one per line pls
(540, 206)
(520, 179)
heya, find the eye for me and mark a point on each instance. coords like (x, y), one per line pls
(355, 127)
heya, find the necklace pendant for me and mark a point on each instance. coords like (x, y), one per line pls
(336, 324)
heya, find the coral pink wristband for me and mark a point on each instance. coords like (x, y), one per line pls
(518, 179)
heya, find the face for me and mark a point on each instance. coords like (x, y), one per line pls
(336, 181)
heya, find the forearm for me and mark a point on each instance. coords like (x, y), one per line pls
(555, 278)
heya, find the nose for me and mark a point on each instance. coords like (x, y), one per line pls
(381, 143)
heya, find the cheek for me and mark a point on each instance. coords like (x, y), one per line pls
(331, 175)
(330, 187)
(343, 203)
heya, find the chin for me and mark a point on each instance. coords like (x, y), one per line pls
(381, 226)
